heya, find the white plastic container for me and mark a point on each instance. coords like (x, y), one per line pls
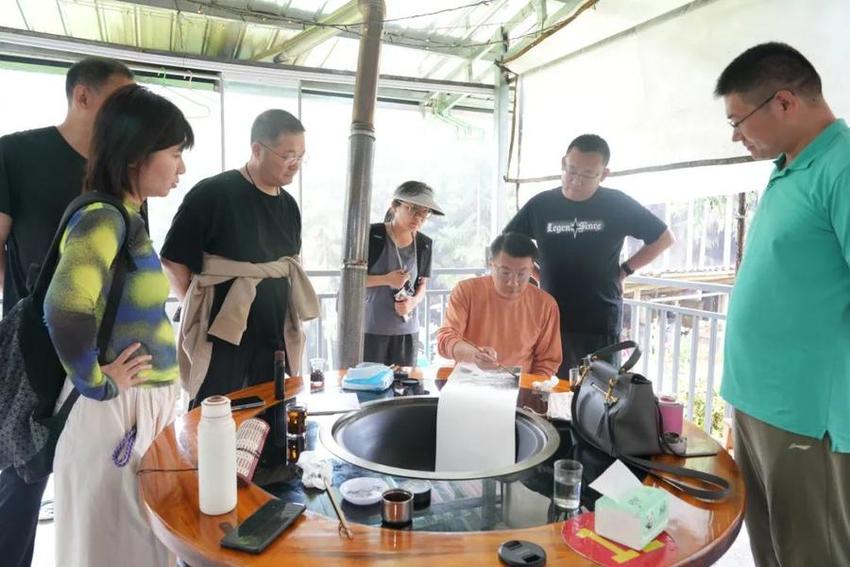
(216, 457)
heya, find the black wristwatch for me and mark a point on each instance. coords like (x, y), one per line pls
(626, 268)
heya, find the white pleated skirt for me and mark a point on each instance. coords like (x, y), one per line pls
(100, 520)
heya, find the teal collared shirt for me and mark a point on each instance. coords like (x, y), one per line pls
(787, 353)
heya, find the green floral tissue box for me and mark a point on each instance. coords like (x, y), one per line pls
(635, 519)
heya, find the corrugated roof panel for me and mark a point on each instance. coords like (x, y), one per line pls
(323, 53)
(10, 15)
(82, 20)
(431, 63)
(485, 32)
(189, 33)
(525, 28)
(333, 5)
(482, 71)
(222, 38)
(343, 56)
(226, 36)
(304, 5)
(446, 20)
(42, 16)
(155, 29)
(256, 40)
(119, 23)
(447, 70)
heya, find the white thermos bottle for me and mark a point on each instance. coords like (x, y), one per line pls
(216, 457)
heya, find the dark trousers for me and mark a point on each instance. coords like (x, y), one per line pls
(798, 496)
(390, 349)
(575, 346)
(19, 505)
(235, 367)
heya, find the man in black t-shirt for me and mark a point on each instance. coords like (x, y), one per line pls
(41, 171)
(580, 228)
(247, 216)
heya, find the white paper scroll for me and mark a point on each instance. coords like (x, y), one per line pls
(476, 420)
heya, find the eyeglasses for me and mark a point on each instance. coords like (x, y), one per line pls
(289, 159)
(580, 177)
(737, 123)
(419, 212)
(507, 275)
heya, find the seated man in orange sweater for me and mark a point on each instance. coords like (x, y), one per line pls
(500, 318)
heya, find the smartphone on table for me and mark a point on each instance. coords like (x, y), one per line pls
(245, 403)
(263, 526)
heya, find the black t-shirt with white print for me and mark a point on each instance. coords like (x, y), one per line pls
(580, 244)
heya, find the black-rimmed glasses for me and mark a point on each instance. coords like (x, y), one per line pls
(737, 123)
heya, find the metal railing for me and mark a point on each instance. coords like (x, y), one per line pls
(682, 344)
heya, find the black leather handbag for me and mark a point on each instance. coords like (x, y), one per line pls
(616, 411)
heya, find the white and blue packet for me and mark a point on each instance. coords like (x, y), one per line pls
(368, 377)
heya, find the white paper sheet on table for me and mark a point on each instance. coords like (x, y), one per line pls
(616, 481)
(476, 420)
(330, 403)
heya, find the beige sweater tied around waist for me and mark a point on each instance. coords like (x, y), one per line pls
(194, 350)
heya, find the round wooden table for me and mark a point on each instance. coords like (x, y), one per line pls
(169, 489)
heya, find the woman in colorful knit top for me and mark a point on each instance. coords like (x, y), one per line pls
(136, 153)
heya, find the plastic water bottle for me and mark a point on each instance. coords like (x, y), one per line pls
(216, 457)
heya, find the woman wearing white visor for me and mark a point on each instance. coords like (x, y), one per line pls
(399, 268)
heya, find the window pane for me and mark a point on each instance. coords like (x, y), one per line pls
(201, 104)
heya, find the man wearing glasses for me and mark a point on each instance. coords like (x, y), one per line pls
(787, 355)
(580, 228)
(244, 215)
(501, 319)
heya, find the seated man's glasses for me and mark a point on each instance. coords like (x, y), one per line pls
(289, 159)
(508, 275)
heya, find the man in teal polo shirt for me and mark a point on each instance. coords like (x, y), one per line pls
(787, 354)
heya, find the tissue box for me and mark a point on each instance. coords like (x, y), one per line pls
(635, 519)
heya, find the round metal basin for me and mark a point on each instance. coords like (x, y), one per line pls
(398, 437)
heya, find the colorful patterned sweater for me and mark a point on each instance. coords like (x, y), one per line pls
(76, 299)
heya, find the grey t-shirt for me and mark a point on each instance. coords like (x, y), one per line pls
(381, 317)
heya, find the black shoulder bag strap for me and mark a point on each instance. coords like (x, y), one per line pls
(377, 241)
(122, 264)
(654, 467)
(617, 347)
(422, 248)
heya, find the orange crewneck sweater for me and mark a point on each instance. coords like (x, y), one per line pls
(525, 331)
